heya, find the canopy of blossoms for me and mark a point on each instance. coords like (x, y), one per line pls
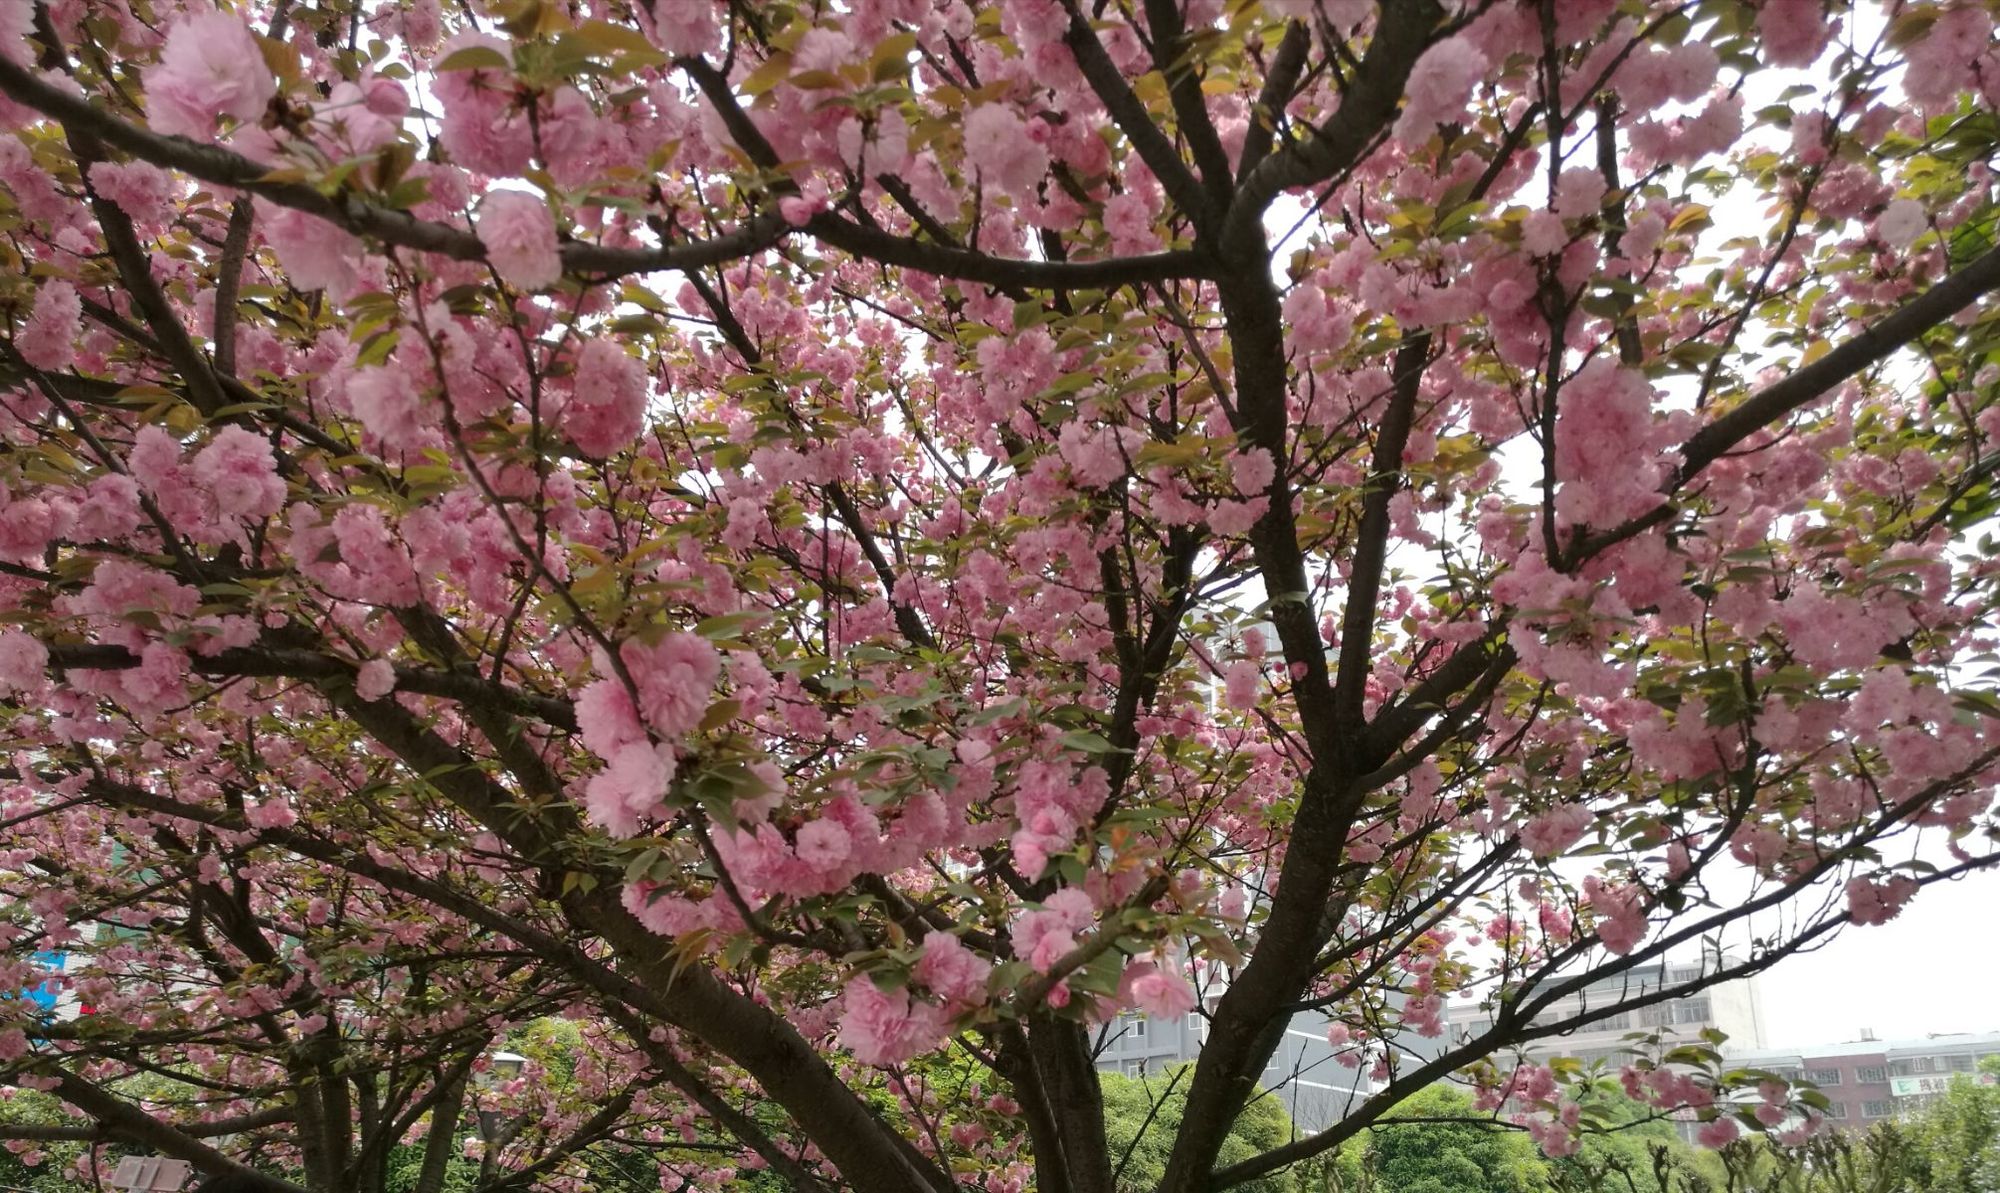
(830, 544)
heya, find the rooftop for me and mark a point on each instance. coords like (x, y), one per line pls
(1942, 1042)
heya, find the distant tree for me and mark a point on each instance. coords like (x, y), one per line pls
(1435, 1142)
(45, 1164)
(1627, 1144)
(1957, 1138)
(1143, 1116)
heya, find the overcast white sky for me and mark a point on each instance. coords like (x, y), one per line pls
(1935, 968)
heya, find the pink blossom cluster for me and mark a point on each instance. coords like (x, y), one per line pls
(607, 406)
(1052, 802)
(1156, 988)
(1043, 936)
(885, 1028)
(1620, 911)
(1877, 901)
(1609, 445)
(1550, 834)
(519, 234)
(673, 678)
(211, 66)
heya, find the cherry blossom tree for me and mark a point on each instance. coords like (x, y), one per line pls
(846, 546)
(320, 1023)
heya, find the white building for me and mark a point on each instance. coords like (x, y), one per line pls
(1733, 1008)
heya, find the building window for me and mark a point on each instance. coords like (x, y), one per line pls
(1691, 1010)
(1871, 1075)
(1135, 1068)
(1882, 1109)
(1836, 1110)
(1660, 1016)
(1195, 1021)
(1137, 1026)
(1959, 1064)
(1619, 1022)
(1823, 1076)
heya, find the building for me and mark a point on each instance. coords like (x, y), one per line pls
(1305, 1073)
(1868, 1080)
(1732, 1008)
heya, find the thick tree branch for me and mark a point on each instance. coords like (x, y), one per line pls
(1807, 384)
(278, 662)
(1129, 113)
(1402, 33)
(140, 1127)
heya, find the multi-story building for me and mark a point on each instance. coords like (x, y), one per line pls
(1732, 1008)
(1868, 1080)
(1305, 1073)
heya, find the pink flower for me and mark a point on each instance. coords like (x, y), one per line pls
(884, 1029)
(143, 191)
(1252, 471)
(389, 406)
(1343, 15)
(659, 911)
(1543, 234)
(1233, 519)
(951, 971)
(608, 407)
(1579, 191)
(999, 144)
(17, 25)
(274, 813)
(48, 339)
(1870, 902)
(240, 473)
(1555, 830)
(484, 127)
(682, 26)
(375, 556)
(1317, 323)
(1621, 918)
(24, 661)
(606, 718)
(520, 239)
(1943, 60)
(316, 255)
(1900, 223)
(1154, 991)
(1129, 223)
(631, 788)
(211, 66)
(1794, 31)
(376, 679)
(1607, 446)
(1042, 937)
(1439, 87)
(1717, 1132)
(158, 683)
(675, 677)
(1098, 456)
(823, 844)
(1241, 681)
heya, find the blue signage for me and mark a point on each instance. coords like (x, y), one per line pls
(46, 994)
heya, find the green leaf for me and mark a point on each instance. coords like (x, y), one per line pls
(728, 625)
(1088, 742)
(475, 58)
